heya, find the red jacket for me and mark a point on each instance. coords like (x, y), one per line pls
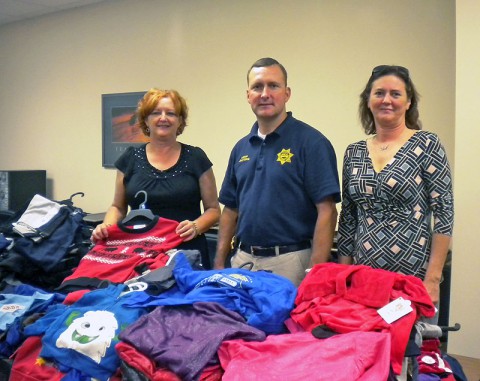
(345, 298)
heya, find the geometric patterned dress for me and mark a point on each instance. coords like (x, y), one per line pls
(388, 218)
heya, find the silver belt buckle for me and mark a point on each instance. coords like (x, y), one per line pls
(254, 248)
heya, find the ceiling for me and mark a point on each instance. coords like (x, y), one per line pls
(18, 10)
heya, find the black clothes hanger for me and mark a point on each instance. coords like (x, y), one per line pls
(456, 327)
(76, 194)
(142, 213)
(69, 201)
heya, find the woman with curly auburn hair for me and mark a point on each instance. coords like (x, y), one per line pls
(177, 177)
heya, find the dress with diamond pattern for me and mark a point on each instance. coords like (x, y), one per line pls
(386, 217)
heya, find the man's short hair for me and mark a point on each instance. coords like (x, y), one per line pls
(265, 62)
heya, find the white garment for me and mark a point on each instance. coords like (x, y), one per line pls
(40, 211)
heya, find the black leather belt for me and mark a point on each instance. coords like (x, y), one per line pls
(262, 251)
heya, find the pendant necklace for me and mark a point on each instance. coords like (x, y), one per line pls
(384, 148)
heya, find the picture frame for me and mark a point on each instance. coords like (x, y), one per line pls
(119, 130)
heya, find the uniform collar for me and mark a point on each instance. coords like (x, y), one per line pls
(278, 131)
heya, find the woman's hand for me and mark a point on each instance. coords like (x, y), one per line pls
(188, 230)
(100, 232)
(433, 289)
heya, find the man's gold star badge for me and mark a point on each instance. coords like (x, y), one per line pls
(285, 156)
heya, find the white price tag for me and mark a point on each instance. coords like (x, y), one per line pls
(395, 310)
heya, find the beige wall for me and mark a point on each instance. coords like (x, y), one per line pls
(54, 69)
(465, 305)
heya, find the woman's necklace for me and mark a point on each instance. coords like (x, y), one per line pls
(381, 147)
(384, 148)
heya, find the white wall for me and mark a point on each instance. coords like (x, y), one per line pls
(54, 69)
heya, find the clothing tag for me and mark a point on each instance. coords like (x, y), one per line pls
(11, 308)
(139, 226)
(395, 310)
(134, 287)
(228, 281)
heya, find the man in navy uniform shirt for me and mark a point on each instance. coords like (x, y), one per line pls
(280, 187)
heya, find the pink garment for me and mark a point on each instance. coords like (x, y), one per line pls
(356, 356)
(431, 360)
(345, 298)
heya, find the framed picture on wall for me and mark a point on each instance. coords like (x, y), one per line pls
(119, 130)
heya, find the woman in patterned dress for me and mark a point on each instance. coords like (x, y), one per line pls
(397, 208)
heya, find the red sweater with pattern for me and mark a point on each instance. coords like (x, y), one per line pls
(126, 251)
